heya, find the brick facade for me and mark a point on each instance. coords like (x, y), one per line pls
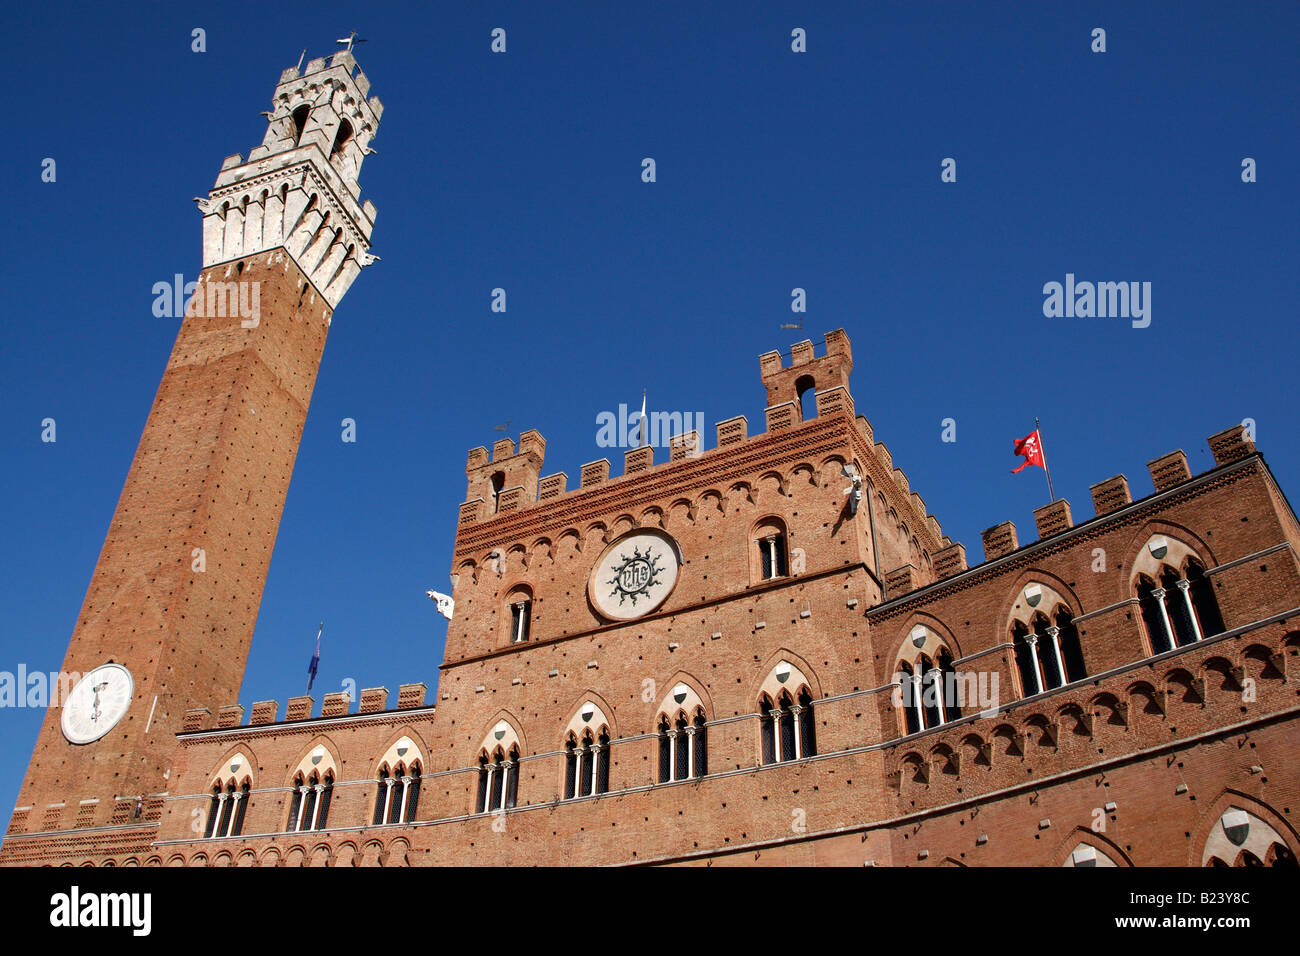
(1136, 760)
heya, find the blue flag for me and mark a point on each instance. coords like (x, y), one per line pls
(315, 659)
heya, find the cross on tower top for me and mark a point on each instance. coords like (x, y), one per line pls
(348, 41)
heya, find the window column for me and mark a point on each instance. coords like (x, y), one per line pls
(388, 798)
(406, 788)
(234, 812)
(505, 783)
(916, 701)
(302, 800)
(221, 812)
(1159, 595)
(1054, 633)
(936, 681)
(315, 809)
(672, 754)
(1032, 640)
(1185, 587)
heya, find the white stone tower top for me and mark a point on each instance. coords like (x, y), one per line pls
(299, 190)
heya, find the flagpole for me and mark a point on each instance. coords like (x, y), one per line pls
(315, 658)
(1043, 450)
(641, 423)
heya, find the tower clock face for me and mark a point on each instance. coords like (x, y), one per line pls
(97, 703)
(634, 575)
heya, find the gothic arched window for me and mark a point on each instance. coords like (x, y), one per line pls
(787, 727)
(310, 806)
(341, 138)
(785, 713)
(683, 747)
(519, 613)
(229, 800)
(1179, 608)
(587, 757)
(498, 779)
(1047, 649)
(770, 562)
(928, 683)
(398, 797)
(1175, 594)
(300, 116)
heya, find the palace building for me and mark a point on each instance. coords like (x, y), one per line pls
(761, 652)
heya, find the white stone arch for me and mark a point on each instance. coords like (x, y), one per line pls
(923, 641)
(503, 737)
(402, 754)
(680, 701)
(785, 678)
(318, 760)
(1162, 550)
(588, 717)
(1239, 831)
(235, 770)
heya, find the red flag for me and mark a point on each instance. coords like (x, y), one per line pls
(1031, 446)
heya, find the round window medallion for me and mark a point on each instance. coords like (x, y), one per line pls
(634, 575)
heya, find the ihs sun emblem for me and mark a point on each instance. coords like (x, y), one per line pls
(635, 576)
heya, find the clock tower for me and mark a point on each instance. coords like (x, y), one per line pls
(168, 618)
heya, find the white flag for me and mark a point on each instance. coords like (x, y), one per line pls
(446, 606)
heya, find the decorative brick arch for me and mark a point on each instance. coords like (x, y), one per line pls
(710, 503)
(511, 734)
(1084, 836)
(696, 686)
(541, 550)
(740, 495)
(1054, 591)
(1138, 559)
(652, 517)
(307, 761)
(225, 770)
(568, 543)
(768, 674)
(346, 853)
(602, 717)
(389, 757)
(939, 636)
(773, 481)
(1205, 841)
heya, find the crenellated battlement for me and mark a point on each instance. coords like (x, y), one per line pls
(828, 375)
(1168, 473)
(264, 713)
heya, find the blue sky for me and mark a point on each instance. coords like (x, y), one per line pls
(775, 170)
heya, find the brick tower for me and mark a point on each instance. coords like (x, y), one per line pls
(174, 597)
